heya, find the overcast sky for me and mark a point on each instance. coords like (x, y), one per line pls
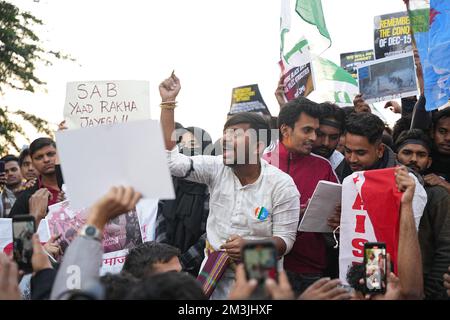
(212, 45)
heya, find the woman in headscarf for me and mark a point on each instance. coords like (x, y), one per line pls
(182, 222)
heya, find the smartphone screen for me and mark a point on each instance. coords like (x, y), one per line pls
(260, 261)
(23, 230)
(2, 167)
(375, 267)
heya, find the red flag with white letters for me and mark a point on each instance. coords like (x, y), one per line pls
(370, 213)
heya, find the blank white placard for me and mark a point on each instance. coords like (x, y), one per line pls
(128, 154)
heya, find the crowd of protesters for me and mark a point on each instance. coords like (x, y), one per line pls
(197, 252)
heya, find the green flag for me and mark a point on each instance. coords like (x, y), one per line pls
(311, 11)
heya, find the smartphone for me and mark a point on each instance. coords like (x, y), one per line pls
(375, 267)
(260, 260)
(23, 229)
(2, 167)
(59, 176)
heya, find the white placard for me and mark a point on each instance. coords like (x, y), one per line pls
(321, 206)
(94, 103)
(128, 154)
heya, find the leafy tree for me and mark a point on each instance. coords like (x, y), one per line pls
(21, 51)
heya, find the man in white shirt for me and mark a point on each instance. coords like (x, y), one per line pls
(249, 198)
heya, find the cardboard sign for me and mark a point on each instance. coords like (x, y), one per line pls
(247, 99)
(94, 103)
(392, 34)
(350, 60)
(388, 78)
(128, 154)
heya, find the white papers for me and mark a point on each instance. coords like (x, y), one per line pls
(129, 154)
(321, 206)
(94, 103)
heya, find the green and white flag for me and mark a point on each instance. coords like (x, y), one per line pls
(335, 84)
(312, 24)
(311, 12)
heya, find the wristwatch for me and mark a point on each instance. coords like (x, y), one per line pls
(90, 231)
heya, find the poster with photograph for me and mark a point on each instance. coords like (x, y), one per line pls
(121, 233)
(351, 60)
(388, 79)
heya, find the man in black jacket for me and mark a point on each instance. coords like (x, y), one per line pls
(413, 150)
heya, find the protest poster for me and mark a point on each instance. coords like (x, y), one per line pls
(147, 210)
(371, 213)
(132, 154)
(94, 103)
(350, 60)
(120, 234)
(298, 81)
(388, 79)
(247, 99)
(392, 34)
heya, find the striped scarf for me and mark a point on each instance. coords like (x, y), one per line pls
(213, 270)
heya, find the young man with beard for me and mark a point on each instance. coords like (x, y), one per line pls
(44, 193)
(298, 123)
(413, 150)
(439, 172)
(11, 179)
(249, 199)
(331, 126)
(364, 149)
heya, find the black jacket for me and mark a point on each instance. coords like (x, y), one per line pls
(387, 161)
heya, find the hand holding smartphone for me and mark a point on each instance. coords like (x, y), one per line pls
(375, 267)
(2, 172)
(23, 230)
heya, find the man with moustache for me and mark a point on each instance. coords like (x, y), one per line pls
(331, 126)
(414, 151)
(298, 123)
(249, 199)
(44, 193)
(439, 171)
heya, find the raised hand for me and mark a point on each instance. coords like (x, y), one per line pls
(169, 88)
(405, 184)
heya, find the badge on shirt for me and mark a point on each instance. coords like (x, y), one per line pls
(261, 213)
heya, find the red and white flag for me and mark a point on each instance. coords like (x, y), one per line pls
(371, 213)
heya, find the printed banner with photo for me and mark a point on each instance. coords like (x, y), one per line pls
(388, 78)
(122, 233)
(351, 60)
(298, 81)
(248, 99)
(94, 103)
(392, 34)
(371, 213)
